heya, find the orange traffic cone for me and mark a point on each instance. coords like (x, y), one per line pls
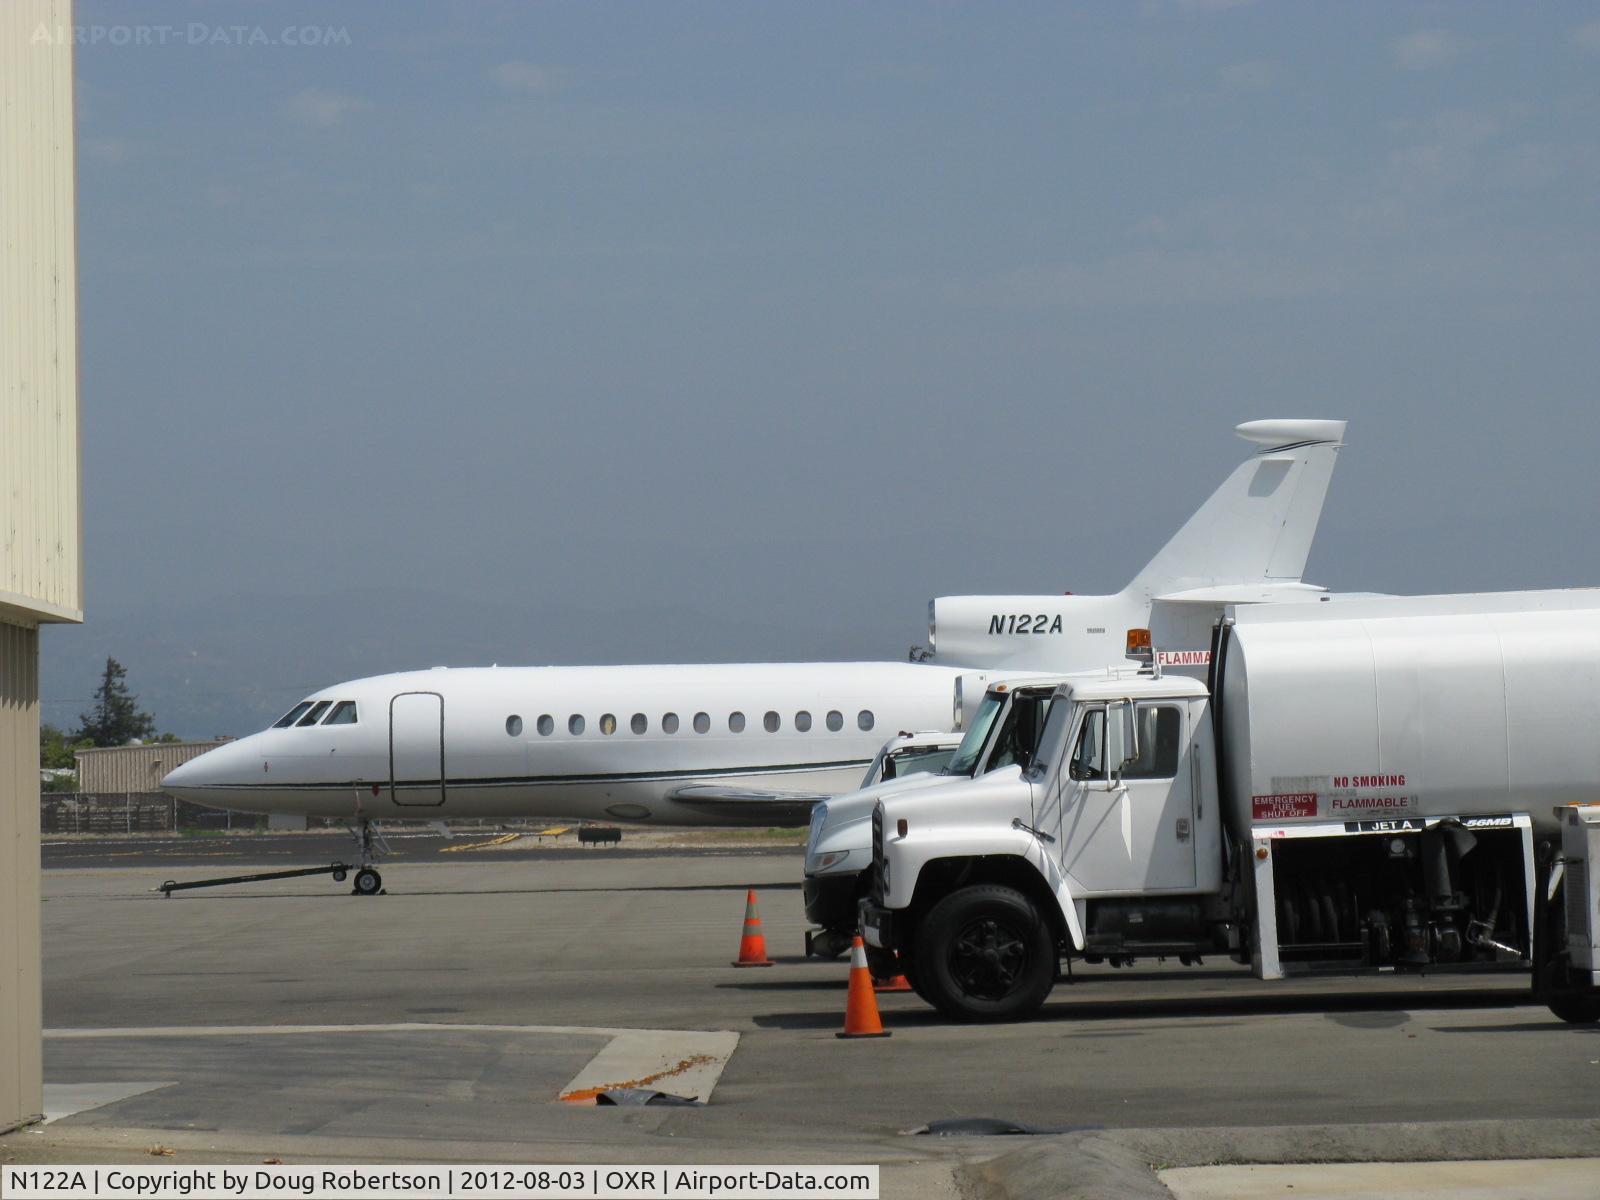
(752, 944)
(896, 983)
(860, 1008)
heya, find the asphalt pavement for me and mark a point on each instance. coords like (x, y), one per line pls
(444, 1018)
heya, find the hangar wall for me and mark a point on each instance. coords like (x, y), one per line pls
(41, 568)
(41, 576)
(21, 1088)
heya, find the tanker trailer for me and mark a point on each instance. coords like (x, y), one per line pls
(1363, 785)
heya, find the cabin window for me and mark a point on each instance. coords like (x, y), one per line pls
(702, 723)
(293, 715)
(864, 720)
(835, 721)
(574, 724)
(736, 722)
(546, 725)
(772, 722)
(608, 724)
(317, 709)
(669, 722)
(802, 721)
(344, 713)
(513, 725)
(639, 724)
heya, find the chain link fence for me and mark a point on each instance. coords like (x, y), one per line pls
(152, 812)
(134, 812)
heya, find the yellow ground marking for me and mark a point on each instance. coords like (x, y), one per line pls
(499, 841)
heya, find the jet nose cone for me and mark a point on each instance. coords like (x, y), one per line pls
(180, 780)
(218, 768)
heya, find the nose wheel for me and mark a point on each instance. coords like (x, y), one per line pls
(370, 843)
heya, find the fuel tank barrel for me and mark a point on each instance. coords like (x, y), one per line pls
(1476, 706)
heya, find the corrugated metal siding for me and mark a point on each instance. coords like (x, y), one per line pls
(41, 565)
(41, 568)
(21, 1073)
(134, 768)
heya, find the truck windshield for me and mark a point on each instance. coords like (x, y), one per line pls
(965, 759)
(916, 760)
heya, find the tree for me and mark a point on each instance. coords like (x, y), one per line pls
(56, 748)
(116, 718)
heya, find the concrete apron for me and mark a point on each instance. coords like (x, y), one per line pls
(1123, 1164)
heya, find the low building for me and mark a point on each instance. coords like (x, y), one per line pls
(139, 768)
(119, 790)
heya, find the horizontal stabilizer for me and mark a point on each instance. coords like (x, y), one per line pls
(1240, 593)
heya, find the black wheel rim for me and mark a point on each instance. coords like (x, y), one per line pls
(989, 958)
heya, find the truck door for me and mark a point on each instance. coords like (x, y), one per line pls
(416, 749)
(1137, 835)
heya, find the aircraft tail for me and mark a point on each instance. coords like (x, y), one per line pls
(1258, 526)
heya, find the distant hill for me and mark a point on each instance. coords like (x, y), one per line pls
(229, 666)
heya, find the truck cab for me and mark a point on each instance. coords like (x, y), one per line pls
(1004, 729)
(980, 885)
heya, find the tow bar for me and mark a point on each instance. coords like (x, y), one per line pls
(338, 870)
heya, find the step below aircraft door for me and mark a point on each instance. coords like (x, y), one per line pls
(416, 749)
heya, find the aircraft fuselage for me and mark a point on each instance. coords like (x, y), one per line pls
(606, 743)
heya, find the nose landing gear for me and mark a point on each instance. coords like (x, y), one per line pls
(370, 845)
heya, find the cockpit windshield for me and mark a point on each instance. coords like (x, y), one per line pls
(293, 715)
(344, 713)
(317, 709)
(965, 759)
(312, 712)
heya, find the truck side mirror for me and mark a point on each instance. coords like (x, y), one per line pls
(1122, 740)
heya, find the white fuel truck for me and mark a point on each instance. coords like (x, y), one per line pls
(1361, 785)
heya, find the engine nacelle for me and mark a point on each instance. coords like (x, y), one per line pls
(1028, 633)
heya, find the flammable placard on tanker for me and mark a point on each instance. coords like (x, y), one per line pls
(1364, 793)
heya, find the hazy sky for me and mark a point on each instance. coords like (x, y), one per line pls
(803, 314)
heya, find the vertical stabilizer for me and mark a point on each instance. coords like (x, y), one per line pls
(1257, 527)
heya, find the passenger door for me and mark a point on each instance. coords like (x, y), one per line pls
(1137, 835)
(416, 749)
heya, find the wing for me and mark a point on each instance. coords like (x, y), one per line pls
(748, 806)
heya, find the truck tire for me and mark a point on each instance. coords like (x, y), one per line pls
(984, 953)
(1578, 1008)
(1574, 1005)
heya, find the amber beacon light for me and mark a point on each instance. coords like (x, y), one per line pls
(1139, 645)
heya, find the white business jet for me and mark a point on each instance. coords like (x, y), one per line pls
(756, 742)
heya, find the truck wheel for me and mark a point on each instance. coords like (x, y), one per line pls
(1577, 1009)
(1574, 1005)
(985, 954)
